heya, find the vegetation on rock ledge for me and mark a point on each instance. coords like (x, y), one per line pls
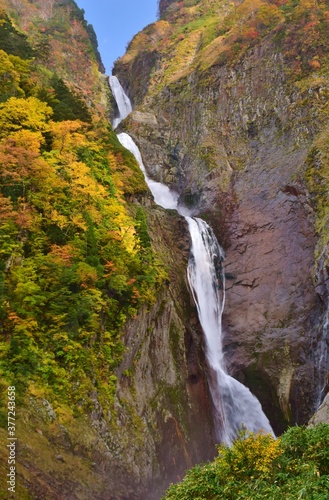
(259, 466)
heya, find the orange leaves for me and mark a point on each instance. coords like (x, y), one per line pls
(109, 268)
(131, 281)
(24, 217)
(135, 295)
(63, 255)
(306, 39)
(20, 157)
(12, 316)
(315, 63)
(6, 208)
(251, 34)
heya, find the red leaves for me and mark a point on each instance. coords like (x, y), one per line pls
(63, 254)
(251, 34)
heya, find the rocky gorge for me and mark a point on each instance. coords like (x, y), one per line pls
(234, 140)
(229, 110)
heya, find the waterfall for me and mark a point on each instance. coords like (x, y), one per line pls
(234, 405)
(122, 100)
(162, 195)
(322, 358)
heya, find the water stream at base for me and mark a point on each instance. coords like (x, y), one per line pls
(235, 407)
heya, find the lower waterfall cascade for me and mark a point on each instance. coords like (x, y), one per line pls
(235, 407)
(322, 359)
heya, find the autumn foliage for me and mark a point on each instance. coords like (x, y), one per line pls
(75, 257)
(259, 466)
(199, 35)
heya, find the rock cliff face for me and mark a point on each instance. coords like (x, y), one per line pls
(220, 117)
(160, 423)
(233, 137)
(322, 415)
(164, 423)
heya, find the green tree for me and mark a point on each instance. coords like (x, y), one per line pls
(260, 466)
(9, 78)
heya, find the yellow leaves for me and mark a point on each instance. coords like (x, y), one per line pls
(74, 219)
(261, 452)
(59, 219)
(22, 66)
(123, 229)
(9, 77)
(83, 184)
(78, 221)
(252, 455)
(27, 139)
(127, 234)
(162, 28)
(185, 52)
(30, 113)
(269, 15)
(65, 135)
(139, 41)
(211, 54)
(305, 7)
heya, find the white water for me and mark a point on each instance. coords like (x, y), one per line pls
(122, 100)
(234, 405)
(322, 358)
(161, 193)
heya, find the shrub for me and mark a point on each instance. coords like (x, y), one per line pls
(260, 466)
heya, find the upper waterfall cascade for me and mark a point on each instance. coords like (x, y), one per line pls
(162, 195)
(235, 406)
(122, 100)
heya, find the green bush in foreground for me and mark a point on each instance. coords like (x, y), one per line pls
(294, 466)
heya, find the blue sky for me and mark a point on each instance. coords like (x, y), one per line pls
(116, 22)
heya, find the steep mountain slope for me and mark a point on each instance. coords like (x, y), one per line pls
(98, 331)
(98, 335)
(62, 41)
(231, 110)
